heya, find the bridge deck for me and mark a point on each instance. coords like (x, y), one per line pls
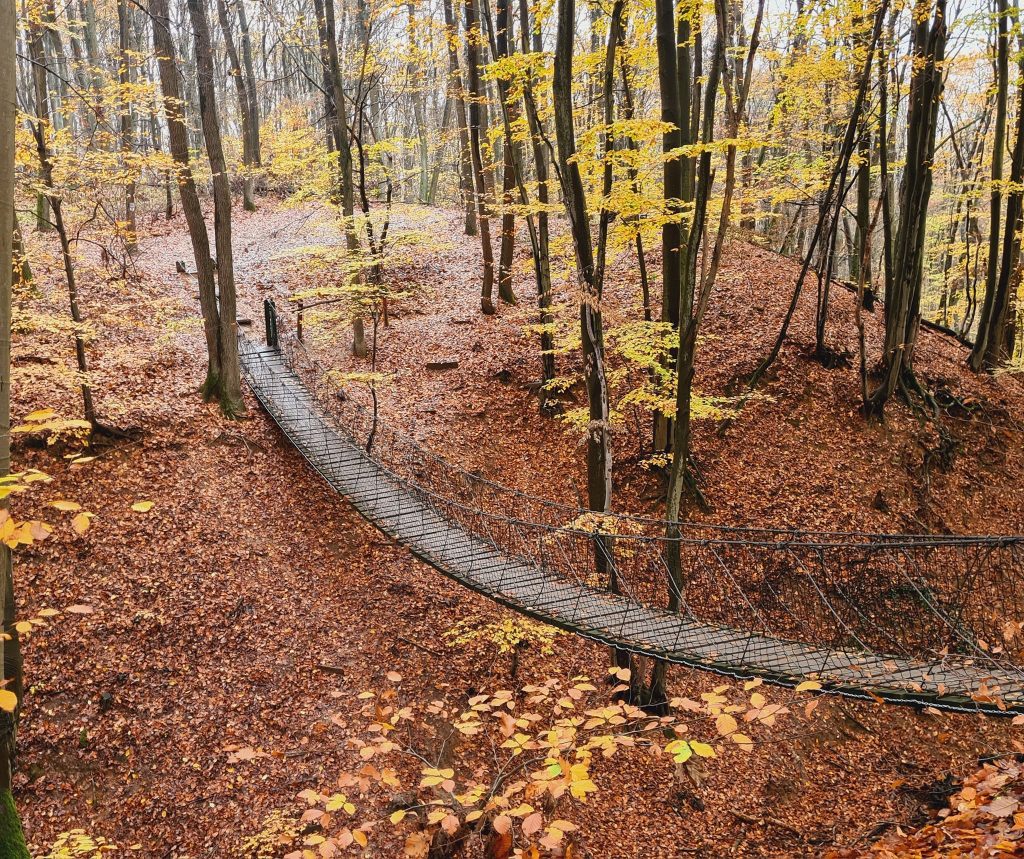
(397, 510)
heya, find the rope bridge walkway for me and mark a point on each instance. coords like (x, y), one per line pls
(926, 620)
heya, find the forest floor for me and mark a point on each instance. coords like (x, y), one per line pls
(250, 606)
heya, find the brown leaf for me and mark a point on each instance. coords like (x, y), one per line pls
(500, 846)
(533, 823)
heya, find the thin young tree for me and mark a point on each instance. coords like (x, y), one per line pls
(229, 382)
(457, 92)
(599, 452)
(177, 134)
(124, 76)
(475, 96)
(41, 131)
(12, 839)
(504, 41)
(246, 103)
(991, 346)
(325, 13)
(904, 276)
(531, 38)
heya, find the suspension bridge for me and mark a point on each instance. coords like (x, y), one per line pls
(913, 619)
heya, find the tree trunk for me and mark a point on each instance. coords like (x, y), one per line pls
(476, 97)
(177, 134)
(11, 835)
(415, 79)
(245, 103)
(673, 73)
(903, 297)
(990, 344)
(230, 382)
(503, 36)
(124, 78)
(542, 256)
(325, 9)
(458, 93)
(55, 203)
(250, 84)
(599, 455)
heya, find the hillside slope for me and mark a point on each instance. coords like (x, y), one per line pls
(250, 606)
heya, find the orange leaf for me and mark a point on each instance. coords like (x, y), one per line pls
(500, 846)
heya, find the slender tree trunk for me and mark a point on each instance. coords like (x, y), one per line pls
(230, 392)
(990, 344)
(458, 93)
(415, 79)
(325, 8)
(542, 256)
(55, 202)
(503, 41)
(245, 102)
(599, 455)
(860, 260)
(672, 176)
(124, 77)
(903, 298)
(11, 835)
(476, 97)
(250, 85)
(177, 135)
(978, 354)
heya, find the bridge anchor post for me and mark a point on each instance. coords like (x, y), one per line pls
(270, 321)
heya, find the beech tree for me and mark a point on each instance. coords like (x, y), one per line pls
(227, 388)
(477, 130)
(904, 266)
(12, 840)
(163, 46)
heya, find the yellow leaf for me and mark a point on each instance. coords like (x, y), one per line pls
(398, 816)
(702, 749)
(80, 523)
(66, 506)
(8, 700)
(725, 724)
(680, 750)
(40, 415)
(808, 686)
(142, 506)
(743, 741)
(23, 626)
(359, 837)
